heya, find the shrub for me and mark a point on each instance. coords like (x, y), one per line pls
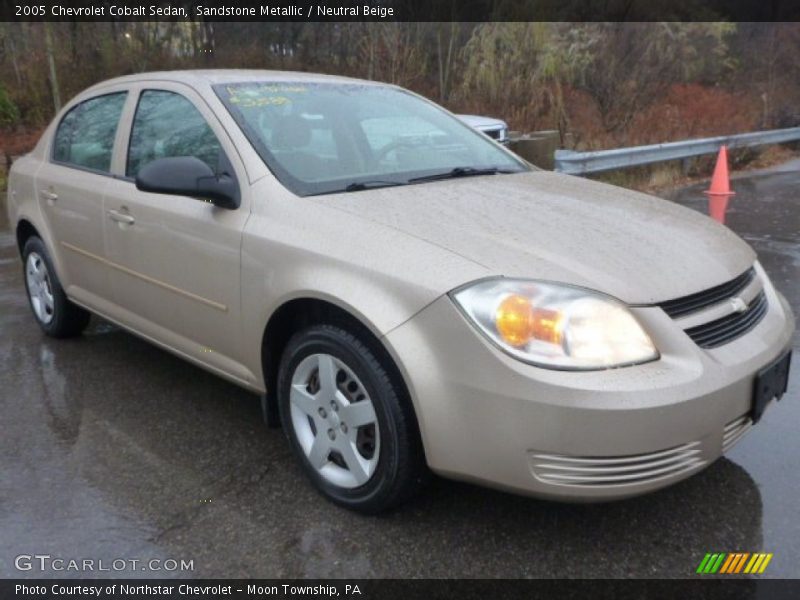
(9, 113)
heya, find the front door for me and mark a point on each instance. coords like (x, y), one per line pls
(175, 259)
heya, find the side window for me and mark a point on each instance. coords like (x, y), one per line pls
(167, 125)
(85, 136)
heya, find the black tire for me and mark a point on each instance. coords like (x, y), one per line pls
(68, 319)
(401, 468)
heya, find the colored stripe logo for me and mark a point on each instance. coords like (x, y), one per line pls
(733, 563)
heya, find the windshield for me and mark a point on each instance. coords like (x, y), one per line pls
(320, 138)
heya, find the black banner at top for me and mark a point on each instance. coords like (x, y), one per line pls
(400, 10)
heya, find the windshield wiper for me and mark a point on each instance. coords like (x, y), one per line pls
(359, 186)
(462, 172)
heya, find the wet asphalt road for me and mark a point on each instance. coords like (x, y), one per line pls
(111, 448)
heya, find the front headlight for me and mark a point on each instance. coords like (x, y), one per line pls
(555, 325)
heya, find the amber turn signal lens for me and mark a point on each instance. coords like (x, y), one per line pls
(547, 325)
(518, 322)
(514, 320)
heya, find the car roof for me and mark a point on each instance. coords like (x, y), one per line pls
(200, 78)
(481, 121)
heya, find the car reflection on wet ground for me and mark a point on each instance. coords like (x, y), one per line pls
(112, 448)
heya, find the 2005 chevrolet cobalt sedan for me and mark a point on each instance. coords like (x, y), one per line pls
(404, 292)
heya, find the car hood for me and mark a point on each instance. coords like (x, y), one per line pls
(550, 226)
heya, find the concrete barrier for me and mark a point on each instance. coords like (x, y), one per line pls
(538, 148)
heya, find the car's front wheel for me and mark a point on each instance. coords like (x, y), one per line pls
(348, 421)
(56, 315)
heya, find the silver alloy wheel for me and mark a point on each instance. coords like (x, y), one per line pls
(40, 288)
(334, 421)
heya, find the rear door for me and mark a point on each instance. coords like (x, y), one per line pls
(176, 259)
(70, 186)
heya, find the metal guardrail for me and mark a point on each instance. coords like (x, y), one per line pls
(578, 163)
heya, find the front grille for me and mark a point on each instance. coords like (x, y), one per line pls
(727, 328)
(557, 469)
(694, 302)
(493, 133)
(734, 431)
(720, 331)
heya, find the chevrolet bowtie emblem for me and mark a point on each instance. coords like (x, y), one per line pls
(738, 305)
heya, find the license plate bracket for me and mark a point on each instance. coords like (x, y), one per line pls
(771, 382)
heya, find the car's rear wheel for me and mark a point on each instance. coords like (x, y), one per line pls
(56, 315)
(348, 420)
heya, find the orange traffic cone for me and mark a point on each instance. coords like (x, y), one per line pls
(720, 190)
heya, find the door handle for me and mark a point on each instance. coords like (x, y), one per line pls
(119, 217)
(48, 195)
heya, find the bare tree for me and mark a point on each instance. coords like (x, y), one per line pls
(51, 62)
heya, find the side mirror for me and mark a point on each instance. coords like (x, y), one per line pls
(189, 176)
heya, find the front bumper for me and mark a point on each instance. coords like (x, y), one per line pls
(599, 435)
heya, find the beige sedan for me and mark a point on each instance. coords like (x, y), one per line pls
(404, 293)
